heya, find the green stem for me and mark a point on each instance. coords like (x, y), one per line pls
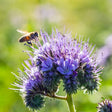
(70, 103)
(54, 96)
(68, 98)
(57, 97)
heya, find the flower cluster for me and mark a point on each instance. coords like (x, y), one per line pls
(30, 86)
(61, 57)
(58, 57)
(105, 106)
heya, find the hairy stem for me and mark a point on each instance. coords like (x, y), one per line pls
(54, 96)
(68, 98)
(60, 97)
(57, 97)
(70, 103)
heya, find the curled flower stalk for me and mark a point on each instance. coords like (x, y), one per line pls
(58, 58)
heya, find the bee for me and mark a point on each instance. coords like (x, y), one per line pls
(28, 36)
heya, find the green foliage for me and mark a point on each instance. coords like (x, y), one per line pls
(92, 19)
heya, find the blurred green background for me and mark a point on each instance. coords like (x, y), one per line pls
(91, 18)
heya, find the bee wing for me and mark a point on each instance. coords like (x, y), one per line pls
(23, 32)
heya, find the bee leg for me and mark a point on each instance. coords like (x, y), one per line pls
(35, 40)
(29, 42)
(28, 45)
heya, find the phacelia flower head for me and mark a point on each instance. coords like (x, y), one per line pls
(72, 61)
(105, 106)
(30, 86)
(58, 57)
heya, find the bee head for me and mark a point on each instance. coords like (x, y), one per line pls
(35, 34)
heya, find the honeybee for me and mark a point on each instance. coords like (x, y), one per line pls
(28, 36)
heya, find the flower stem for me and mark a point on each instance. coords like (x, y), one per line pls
(68, 98)
(60, 97)
(57, 97)
(70, 103)
(54, 96)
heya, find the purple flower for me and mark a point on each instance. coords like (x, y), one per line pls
(51, 81)
(87, 78)
(105, 106)
(46, 65)
(65, 67)
(33, 91)
(105, 52)
(70, 83)
(58, 57)
(30, 85)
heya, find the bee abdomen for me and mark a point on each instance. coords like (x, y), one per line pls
(23, 39)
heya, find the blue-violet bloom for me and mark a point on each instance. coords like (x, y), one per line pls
(105, 106)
